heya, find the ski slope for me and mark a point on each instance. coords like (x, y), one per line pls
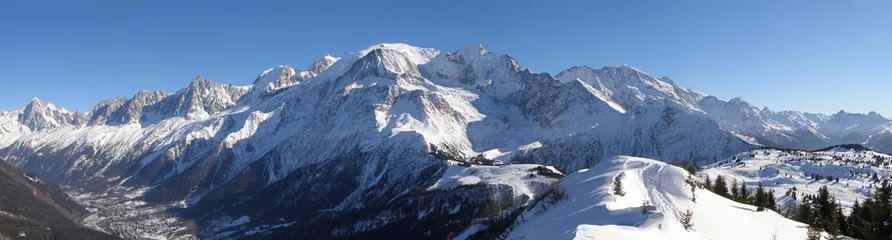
(593, 212)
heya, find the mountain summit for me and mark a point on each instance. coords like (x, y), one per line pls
(323, 152)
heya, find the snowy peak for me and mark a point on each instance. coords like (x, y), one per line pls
(274, 78)
(205, 97)
(38, 115)
(322, 64)
(842, 115)
(629, 87)
(850, 119)
(871, 129)
(317, 67)
(474, 68)
(105, 111)
(416, 55)
(201, 98)
(472, 51)
(386, 62)
(382, 121)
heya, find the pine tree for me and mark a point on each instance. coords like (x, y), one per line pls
(618, 187)
(693, 183)
(879, 213)
(720, 187)
(832, 227)
(708, 183)
(760, 198)
(743, 194)
(854, 220)
(735, 192)
(686, 219)
(841, 220)
(771, 203)
(803, 213)
(824, 207)
(813, 233)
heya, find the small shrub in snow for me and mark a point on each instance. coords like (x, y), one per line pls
(686, 219)
(644, 206)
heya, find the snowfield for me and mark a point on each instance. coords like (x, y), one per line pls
(592, 211)
(517, 176)
(779, 170)
(297, 151)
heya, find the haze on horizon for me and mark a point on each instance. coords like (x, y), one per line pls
(813, 56)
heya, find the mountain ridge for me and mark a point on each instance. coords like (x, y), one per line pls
(379, 123)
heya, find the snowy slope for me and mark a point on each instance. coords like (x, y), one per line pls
(515, 175)
(35, 116)
(593, 212)
(799, 130)
(350, 135)
(782, 170)
(627, 87)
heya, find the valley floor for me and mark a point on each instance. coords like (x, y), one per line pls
(122, 214)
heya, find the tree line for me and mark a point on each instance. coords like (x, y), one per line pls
(739, 192)
(870, 219)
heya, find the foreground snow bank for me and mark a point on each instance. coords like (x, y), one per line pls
(593, 212)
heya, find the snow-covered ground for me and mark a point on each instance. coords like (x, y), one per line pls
(592, 211)
(521, 177)
(391, 104)
(781, 171)
(123, 214)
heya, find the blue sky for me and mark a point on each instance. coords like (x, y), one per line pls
(816, 56)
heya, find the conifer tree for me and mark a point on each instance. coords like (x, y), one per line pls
(832, 227)
(813, 233)
(693, 183)
(708, 183)
(771, 203)
(803, 213)
(618, 187)
(759, 201)
(735, 192)
(744, 194)
(854, 220)
(720, 187)
(841, 220)
(686, 220)
(879, 213)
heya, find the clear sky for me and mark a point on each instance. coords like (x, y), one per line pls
(816, 56)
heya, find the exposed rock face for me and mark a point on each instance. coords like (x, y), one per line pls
(349, 137)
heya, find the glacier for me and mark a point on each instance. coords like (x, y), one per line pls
(350, 136)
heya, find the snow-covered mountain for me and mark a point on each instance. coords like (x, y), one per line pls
(348, 137)
(627, 87)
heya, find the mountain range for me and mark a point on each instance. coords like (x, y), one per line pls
(354, 146)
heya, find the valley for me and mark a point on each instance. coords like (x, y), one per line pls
(397, 139)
